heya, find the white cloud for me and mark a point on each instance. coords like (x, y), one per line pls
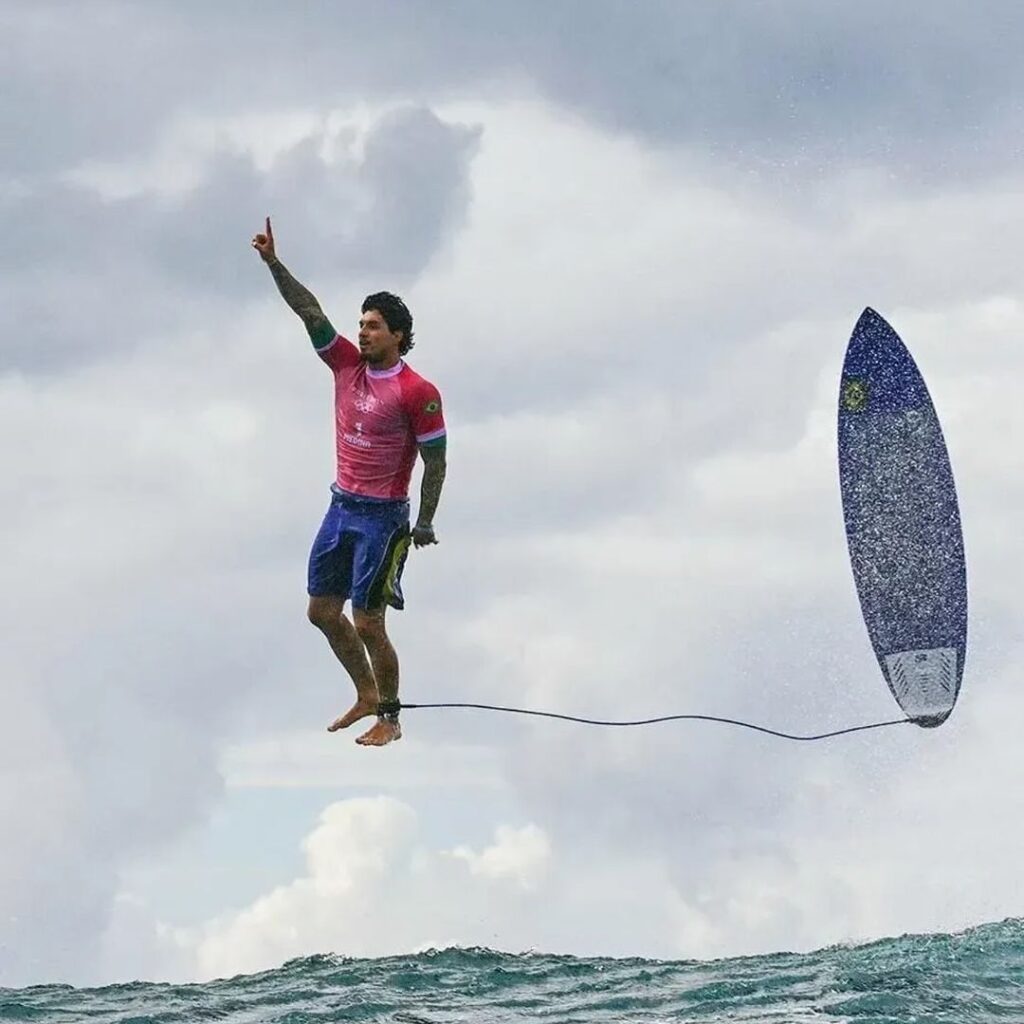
(355, 847)
(370, 887)
(517, 854)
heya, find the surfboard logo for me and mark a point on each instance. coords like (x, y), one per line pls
(855, 395)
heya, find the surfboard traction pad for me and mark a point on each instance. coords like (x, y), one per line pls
(924, 682)
(902, 523)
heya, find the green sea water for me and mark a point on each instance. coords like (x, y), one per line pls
(973, 976)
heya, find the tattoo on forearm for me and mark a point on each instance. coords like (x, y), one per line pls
(430, 490)
(299, 297)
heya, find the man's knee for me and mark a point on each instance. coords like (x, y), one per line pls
(370, 626)
(324, 612)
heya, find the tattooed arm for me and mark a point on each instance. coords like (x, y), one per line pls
(299, 297)
(434, 468)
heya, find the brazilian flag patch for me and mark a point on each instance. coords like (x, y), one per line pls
(432, 406)
(855, 395)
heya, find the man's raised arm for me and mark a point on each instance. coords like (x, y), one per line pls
(299, 297)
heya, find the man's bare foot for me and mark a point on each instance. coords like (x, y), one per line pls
(384, 731)
(362, 708)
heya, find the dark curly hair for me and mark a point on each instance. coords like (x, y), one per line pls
(396, 315)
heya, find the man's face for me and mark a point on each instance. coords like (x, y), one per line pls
(378, 345)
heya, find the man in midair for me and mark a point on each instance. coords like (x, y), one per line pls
(385, 413)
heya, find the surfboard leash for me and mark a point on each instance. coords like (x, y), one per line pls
(664, 718)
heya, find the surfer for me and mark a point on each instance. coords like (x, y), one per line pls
(385, 413)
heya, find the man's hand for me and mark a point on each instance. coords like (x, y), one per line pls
(264, 244)
(423, 535)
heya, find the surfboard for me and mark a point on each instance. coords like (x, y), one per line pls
(902, 520)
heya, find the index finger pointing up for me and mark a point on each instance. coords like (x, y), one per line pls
(270, 233)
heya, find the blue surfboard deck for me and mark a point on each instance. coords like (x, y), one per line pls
(902, 522)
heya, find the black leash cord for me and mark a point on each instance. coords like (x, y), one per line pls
(668, 718)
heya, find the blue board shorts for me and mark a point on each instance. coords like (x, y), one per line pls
(360, 551)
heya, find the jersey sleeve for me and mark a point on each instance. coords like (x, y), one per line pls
(423, 405)
(339, 353)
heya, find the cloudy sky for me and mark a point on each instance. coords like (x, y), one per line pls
(635, 238)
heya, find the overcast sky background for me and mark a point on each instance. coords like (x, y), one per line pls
(635, 238)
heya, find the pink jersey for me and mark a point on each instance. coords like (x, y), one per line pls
(380, 418)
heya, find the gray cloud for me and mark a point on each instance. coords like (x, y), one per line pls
(76, 83)
(785, 87)
(90, 275)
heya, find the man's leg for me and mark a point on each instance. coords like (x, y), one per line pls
(369, 626)
(327, 613)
